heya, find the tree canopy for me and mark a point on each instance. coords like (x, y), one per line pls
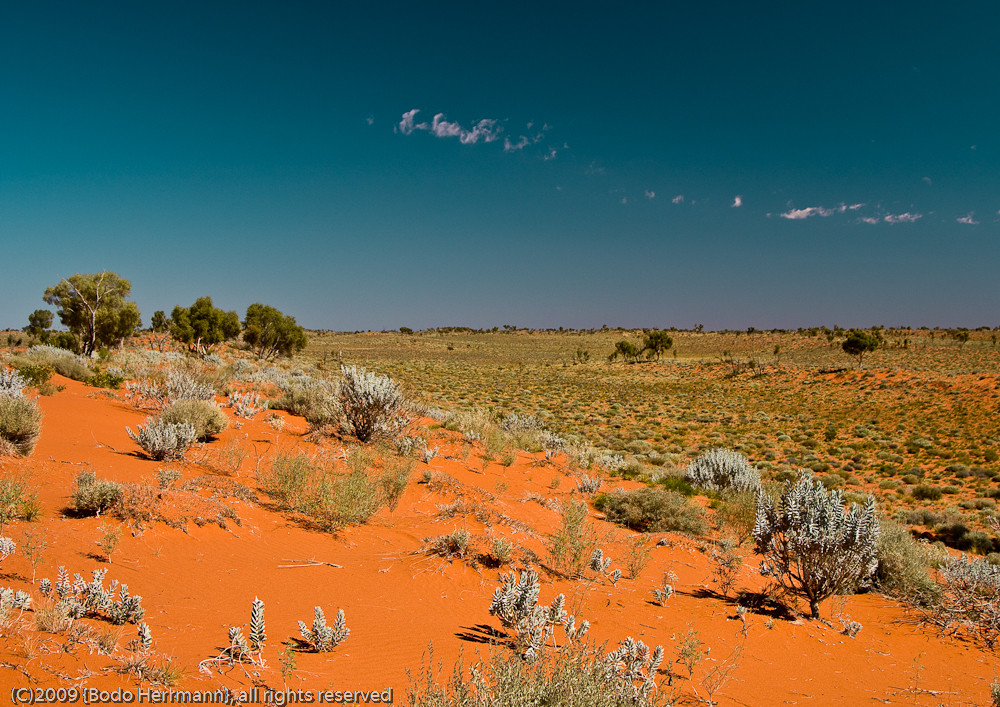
(655, 343)
(202, 325)
(858, 343)
(39, 322)
(271, 333)
(94, 308)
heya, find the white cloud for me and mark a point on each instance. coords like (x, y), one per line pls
(737, 202)
(509, 146)
(650, 194)
(551, 154)
(799, 214)
(406, 125)
(370, 120)
(927, 181)
(868, 219)
(969, 219)
(902, 218)
(624, 200)
(486, 130)
(679, 199)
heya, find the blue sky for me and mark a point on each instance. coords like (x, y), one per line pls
(662, 164)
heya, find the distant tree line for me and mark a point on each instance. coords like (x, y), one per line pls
(96, 311)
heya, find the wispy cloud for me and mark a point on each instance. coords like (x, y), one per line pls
(370, 120)
(650, 194)
(800, 214)
(969, 219)
(822, 211)
(902, 218)
(679, 199)
(737, 202)
(927, 181)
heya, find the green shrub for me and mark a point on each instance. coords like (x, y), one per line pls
(573, 543)
(206, 417)
(923, 492)
(903, 564)
(65, 363)
(16, 501)
(106, 379)
(92, 495)
(35, 374)
(652, 510)
(345, 500)
(316, 403)
(676, 483)
(20, 425)
(332, 501)
(289, 480)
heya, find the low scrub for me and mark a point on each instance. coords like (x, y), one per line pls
(904, 563)
(20, 425)
(316, 402)
(332, 500)
(64, 362)
(206, 417)
(92, 496)
(577, 676)
(163, 440)
(652, 511)
(723, 470)
(373, 405)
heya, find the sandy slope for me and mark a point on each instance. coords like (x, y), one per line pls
(197, 581)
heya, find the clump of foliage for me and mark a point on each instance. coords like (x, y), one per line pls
(270, 333)
(93, 496)
(63, 362)
(202, 325)
(332, 500)
(20, 418)
(206, 417)
(723, 470)
(81, 598)
(652, 510)
(373, 404)
(162, 440)
(241, 649)
(903, 564)
(969, 599)
(811, 544)
(575, 676)
(322, 638)
(573, 543)
(316, 401)
(94, 308)
(106, 379)
(858, 343)
(16, 501)
(515, 603)
(635, 666)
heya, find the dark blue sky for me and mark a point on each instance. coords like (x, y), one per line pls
(666, 164)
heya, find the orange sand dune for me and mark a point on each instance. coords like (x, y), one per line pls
(199, 580)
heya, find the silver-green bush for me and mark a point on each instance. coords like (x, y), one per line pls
(163, 440)
(373, 404)
(723, 470)
(811, 544)
(206, 417)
